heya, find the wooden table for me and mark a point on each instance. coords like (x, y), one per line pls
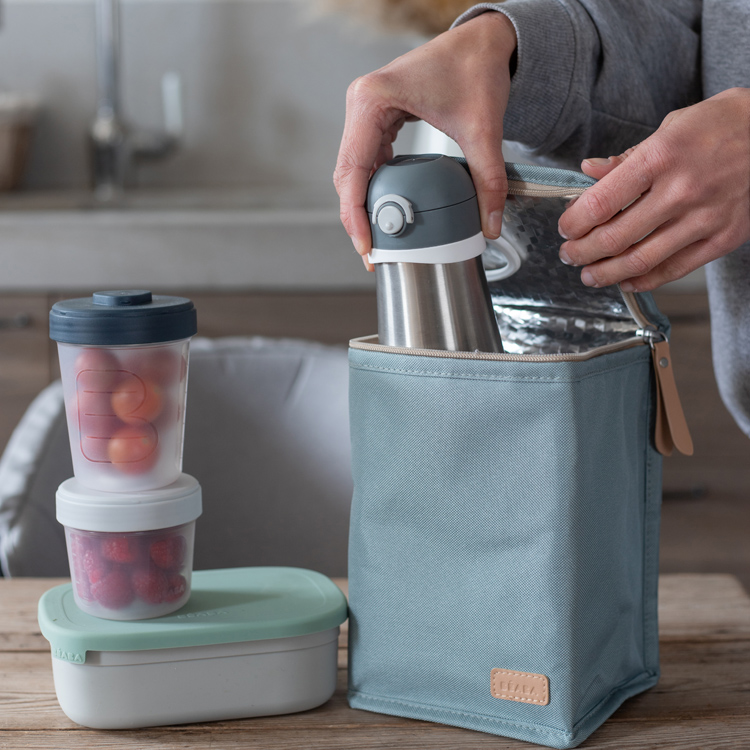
(702, 701)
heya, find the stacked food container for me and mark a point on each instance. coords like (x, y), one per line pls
(250, 641)
(129, 512)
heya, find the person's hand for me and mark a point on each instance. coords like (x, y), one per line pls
(689, 186)
(459, 83)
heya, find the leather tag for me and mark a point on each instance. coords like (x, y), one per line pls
(521, 687)
(671, 428)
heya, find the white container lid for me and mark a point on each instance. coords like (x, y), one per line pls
(79, 507)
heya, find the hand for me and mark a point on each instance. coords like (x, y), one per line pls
(689, 186)
(458, 82)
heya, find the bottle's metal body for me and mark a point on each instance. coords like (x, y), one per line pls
(436, 306)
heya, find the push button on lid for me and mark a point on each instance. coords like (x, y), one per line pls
(390, 219)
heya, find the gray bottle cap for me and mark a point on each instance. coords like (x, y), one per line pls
(122, 317)
(433, 193)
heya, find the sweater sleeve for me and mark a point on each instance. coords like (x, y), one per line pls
(595, 77)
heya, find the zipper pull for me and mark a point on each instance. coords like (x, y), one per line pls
(671, 428)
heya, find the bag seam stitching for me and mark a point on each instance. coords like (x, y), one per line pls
(541, 729)
(493, 378)
(651, 516)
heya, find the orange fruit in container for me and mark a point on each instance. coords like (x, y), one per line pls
(136, 400)
(134, 450)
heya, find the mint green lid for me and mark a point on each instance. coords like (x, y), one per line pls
(225, 606)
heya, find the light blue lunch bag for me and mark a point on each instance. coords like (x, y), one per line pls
(504, 534)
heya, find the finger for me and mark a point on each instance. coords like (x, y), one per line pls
(675, 267)
(641, 258)
(385, 152)
(362, 143)
(352, 210)
(485, 158)
(598, 168)
(622, 231)
(351, 180)
(599, 203)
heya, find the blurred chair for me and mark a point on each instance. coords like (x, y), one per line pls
(267, 436)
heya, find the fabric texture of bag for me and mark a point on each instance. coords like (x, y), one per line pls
(503, 553)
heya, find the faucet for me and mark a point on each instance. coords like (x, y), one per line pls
(114, 146)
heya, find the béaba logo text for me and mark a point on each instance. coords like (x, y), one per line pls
(519, 688)
(69, 656)
(523, 687)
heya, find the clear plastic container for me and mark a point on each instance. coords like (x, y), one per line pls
(130, 554)
(124, 367)
(131, 575)
(125, 408)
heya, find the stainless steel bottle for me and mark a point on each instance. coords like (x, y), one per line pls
(432, 292)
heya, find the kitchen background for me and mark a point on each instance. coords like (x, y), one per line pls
(242, 215)
(263, 86)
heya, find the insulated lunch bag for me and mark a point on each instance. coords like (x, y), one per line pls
(503, 551)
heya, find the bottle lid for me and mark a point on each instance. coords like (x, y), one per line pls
(430, 181)
(225, 606)
(122, 317)
(423, 201)
(79, 507)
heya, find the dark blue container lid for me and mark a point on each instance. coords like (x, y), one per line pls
(122, 317)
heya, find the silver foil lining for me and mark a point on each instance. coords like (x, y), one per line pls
(544, 308)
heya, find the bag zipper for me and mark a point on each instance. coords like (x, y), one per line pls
(369, 344)
(530, 189)
(671, 430)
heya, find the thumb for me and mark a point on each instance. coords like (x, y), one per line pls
(491, 181)
(598, 168)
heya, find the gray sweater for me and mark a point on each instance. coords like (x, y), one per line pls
(595, 77)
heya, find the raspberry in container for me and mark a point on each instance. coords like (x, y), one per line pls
(124, 366)
(130, 554)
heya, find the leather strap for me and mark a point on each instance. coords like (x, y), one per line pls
(671, 428)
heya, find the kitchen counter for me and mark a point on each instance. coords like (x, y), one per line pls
(250, 238)
(702, 700)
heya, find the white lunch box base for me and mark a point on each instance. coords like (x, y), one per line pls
(129, 689)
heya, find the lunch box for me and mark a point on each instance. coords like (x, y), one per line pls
(249, 642)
